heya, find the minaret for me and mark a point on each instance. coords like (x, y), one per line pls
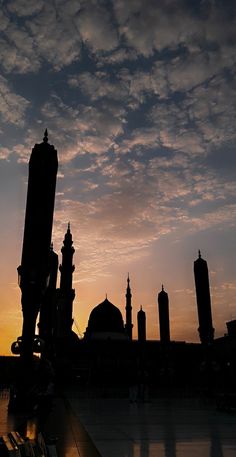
(164, 322)
(128, 309)
(141, 317)
(66, 294)
(48, 308)
(34, 269)
(206, 330)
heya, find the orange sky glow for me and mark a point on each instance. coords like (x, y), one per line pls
(139, 99)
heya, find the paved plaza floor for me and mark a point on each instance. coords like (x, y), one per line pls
(161, 428)
(108, 427)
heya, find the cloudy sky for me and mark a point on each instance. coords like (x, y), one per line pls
(139, 100)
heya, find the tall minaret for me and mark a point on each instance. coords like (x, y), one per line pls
(206, 330)
(35, 262)
(164, 322)
(141, 316)
(66, 294)
(128, 309)
(48, 307)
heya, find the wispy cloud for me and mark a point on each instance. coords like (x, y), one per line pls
(12, 105)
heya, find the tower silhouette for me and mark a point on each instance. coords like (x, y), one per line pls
(128, 309)
(164, 323)
(141, 317)
(66, 294)
(35, 262)
(48, 307)
(206, 330)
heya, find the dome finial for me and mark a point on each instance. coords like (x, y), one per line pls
(45, 138)
(199, 254)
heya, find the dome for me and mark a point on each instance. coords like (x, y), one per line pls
(105, 318)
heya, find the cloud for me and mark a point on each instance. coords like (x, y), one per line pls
(52, 32)
(150, 26)
(4, 153)
(200, 120)
(46, 32)
(55, 33)
(24, 8)
(126, 220)
(139, 139)
(18, 51)
(99, 85)
(12, 105)
(117, 56)
(101, 238)
(96, 28)
(4, 20)
(219, 218)
(85, 129)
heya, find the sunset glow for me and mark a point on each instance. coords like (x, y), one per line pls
(139, 101)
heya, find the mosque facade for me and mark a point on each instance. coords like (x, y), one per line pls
(107, 349)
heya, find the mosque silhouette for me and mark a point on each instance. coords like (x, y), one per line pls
(107, 355)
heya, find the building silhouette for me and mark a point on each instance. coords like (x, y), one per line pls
(164, 322)
(128, 309)
(105, 323)
(107, 354)
(34, 270)
(141, 319)
(48, 307)
(65, 294)
(205, 329)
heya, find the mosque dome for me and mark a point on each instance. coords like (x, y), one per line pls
(105, 320)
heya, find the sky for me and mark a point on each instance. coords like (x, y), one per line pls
(139, 100)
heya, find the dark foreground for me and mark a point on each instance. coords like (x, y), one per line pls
(87, 425)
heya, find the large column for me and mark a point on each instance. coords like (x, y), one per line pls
(163, 306)
(128, 309)
(206, 330)
(34, 269)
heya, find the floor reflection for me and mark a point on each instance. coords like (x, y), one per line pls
(162, 428)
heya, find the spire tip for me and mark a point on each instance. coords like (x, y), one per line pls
(45, 138)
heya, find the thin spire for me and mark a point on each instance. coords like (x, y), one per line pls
(141, 308)
(68, 227)
(106, 296)
(45, 138)
(162, 288)
(199, 254)
(128, 290)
